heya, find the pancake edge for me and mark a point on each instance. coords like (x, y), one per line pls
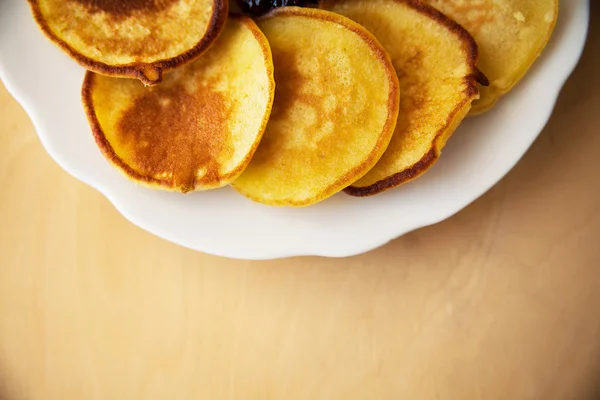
(110, 154)
(149, 73)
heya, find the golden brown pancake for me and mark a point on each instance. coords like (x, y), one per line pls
(335, 108)
(510, 33)
(435, 60)
(131, 38)
(200, 127)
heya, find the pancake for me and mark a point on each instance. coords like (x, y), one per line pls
(131, 38)
(435, 59)
(335, 108)
(510, 33)
(199, 128)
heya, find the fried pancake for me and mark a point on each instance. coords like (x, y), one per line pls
(435, 60)
(510, 33)
(131, 38)
(199, 128)
(336, 105)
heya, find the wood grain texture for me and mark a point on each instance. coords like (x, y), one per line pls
(499, 302)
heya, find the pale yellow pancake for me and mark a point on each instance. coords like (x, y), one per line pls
(200, 127)
(336, 105)
(435, 60)
(131, 38)
(511, 34)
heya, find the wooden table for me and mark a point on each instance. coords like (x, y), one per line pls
(502, 301)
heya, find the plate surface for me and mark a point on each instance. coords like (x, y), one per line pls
(47, 83)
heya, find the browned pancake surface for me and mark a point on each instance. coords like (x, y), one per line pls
(199, 128)
(158, 130)
(124, 8)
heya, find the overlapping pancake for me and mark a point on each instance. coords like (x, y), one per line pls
(335, 108)
(435, 60)
(200, 127)
(510, 33)
(131, 38)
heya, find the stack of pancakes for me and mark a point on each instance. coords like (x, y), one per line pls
(297, 105)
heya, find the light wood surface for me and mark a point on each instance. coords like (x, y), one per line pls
(502, 301)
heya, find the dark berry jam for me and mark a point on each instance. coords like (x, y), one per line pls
(260, 7)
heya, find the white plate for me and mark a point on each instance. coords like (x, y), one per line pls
(47, 83)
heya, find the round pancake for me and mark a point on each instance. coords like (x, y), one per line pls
(336, 105)
(200, 127)
(510, 33)
(435, 60)
(131, 38)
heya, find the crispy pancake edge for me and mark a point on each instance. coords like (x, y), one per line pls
(470, 92)
(149, 73)
(393, 102)
(110, 154)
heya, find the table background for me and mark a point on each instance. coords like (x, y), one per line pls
(501, 301)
